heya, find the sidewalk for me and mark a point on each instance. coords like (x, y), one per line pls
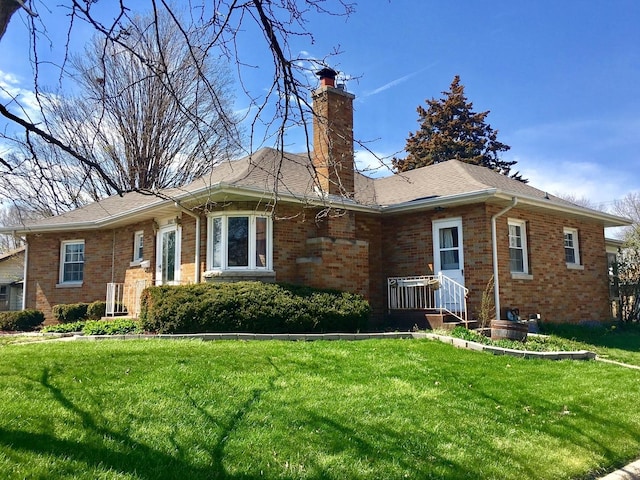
(630, 472)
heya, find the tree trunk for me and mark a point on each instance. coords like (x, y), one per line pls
(7, 8)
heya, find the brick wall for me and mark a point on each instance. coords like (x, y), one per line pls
(556, 292)
(357, 252)
(103, 264)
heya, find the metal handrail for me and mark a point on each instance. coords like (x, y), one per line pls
(428, 292)
(124, 298)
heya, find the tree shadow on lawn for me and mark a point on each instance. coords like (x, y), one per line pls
(380, 445)
(563, 422)
(132, 457)
(105, 449)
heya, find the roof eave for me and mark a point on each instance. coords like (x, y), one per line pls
(329, 201)
(607, 219)
(445, 201)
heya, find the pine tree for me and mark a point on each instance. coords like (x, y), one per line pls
(450, 129)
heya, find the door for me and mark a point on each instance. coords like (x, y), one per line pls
(168, 256)
(448, 258)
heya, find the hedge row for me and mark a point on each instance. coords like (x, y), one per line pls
(118, 326)
(22, 321)
(251, 307)
(74, 312)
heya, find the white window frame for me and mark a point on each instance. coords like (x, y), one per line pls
(63, 246)
(523, 245)
(224, 225)
(575, 246)
(138, 244)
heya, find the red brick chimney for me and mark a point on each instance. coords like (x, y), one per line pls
(333, 136)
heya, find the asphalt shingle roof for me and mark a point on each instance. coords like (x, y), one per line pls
(292, 175)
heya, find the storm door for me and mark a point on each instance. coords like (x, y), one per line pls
(448, 256)
(168, 256)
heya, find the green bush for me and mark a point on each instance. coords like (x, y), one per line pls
(96, 310)
(64, 327)
(72, 312)
(24, 320)
(251, 307)
(119, 326)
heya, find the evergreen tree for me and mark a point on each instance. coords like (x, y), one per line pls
(450, 129)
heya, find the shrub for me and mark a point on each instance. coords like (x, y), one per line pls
(96, 310)
(252, 307)
(119, 326)
(64, 327)
(72, 312)
(24, 320)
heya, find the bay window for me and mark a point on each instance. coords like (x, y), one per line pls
(239, 241)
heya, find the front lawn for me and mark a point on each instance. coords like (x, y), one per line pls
(616, 342)
(315, 410)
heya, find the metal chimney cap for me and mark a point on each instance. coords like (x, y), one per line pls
(327, 73)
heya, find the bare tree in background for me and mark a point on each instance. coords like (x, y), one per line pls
(148, 129)
(627, 267)
(209, 29)
(580, 201)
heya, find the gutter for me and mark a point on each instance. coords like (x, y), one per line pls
(494, 251)
(439, 201)
(197, 249)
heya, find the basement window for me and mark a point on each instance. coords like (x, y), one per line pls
(239, 241)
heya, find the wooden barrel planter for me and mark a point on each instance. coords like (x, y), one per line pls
(509, 330)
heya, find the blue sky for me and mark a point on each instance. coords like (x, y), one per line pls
(561, 78)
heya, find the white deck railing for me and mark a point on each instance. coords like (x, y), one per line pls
(428, 292)
(124, 298)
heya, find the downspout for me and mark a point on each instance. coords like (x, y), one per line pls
(113, 256)
(197, 253)
(24, 274)
(494, 245)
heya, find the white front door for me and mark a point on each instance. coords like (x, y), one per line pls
(448, 256)
(168, 255)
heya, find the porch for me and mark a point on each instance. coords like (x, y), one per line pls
(427, 301)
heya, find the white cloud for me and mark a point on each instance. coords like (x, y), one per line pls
(21, 101)
(373, 164)
(589, 180)
(396, 82)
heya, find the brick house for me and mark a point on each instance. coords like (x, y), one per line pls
(312, 219)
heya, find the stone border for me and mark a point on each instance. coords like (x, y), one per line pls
(460, 343)
(304, 337)
(308, 337)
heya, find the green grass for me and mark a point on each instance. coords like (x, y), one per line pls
(317, 410)
(616, 342)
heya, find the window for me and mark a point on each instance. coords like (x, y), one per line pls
(449, 249)
(239, 241)
(72, 261)
(3, 295)
(138, 246)
(571, 249)
(518, 246)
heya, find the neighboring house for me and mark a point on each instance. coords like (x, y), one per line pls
(312, 219)
(11, 275)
